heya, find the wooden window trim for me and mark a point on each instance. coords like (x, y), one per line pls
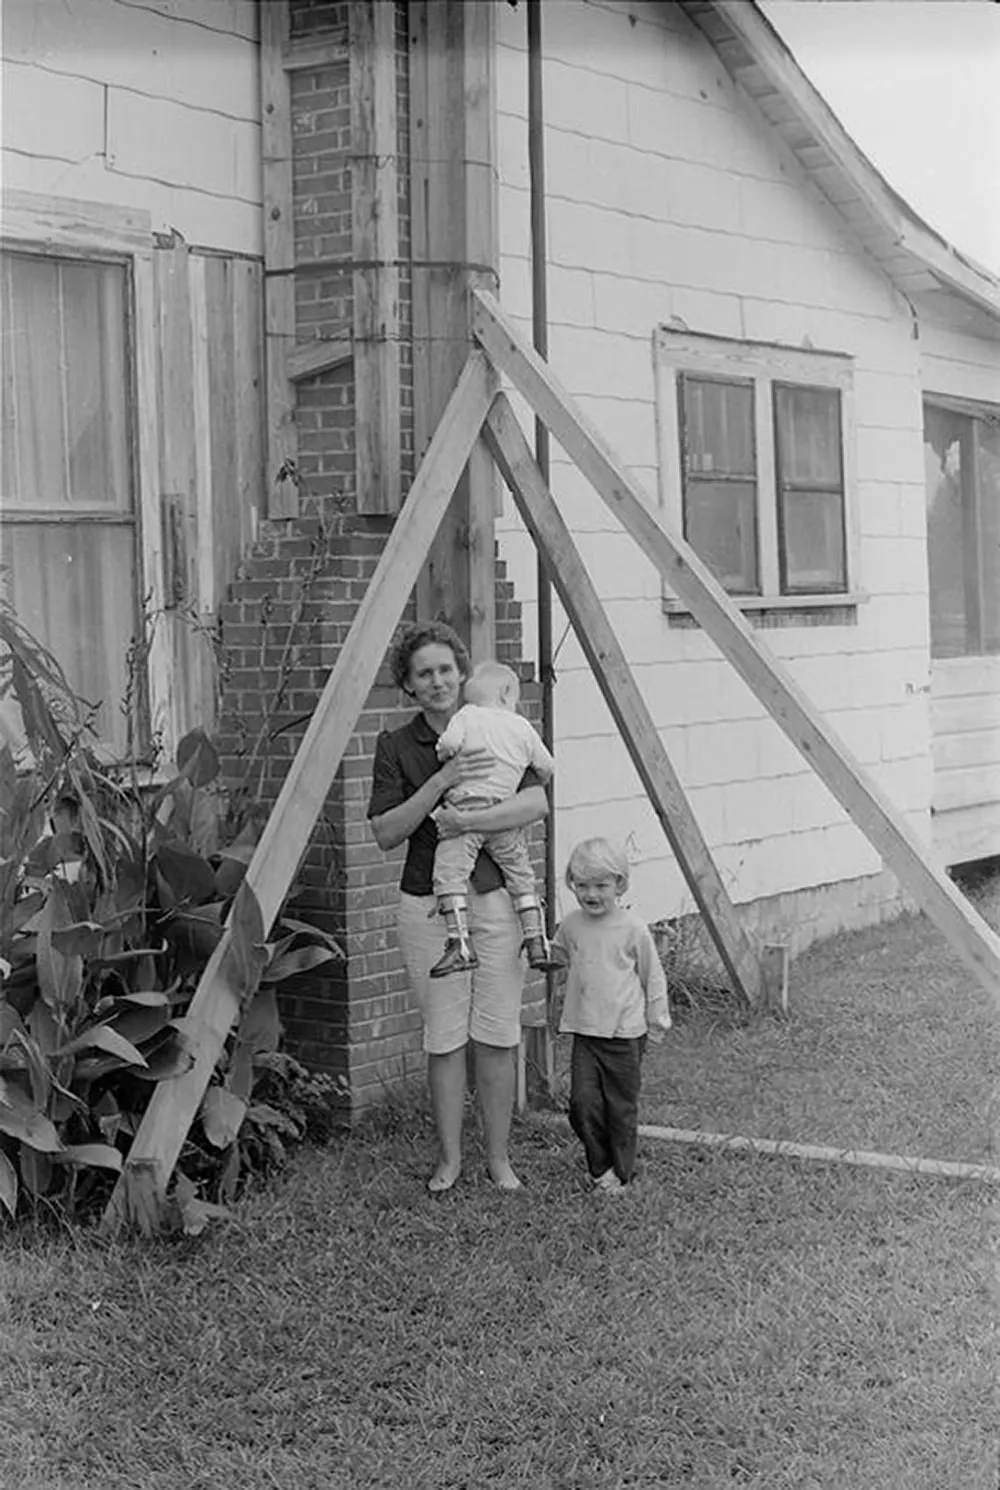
(765, 363)
(59, 227)
(975, 414)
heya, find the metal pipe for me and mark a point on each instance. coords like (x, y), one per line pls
(540, 338)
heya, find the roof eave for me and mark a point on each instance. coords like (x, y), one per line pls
(748, 44)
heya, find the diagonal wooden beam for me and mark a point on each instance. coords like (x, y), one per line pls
(215, 1007)
(864, 801)
(614, 677)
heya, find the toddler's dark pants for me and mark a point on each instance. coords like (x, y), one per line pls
(605, 1076)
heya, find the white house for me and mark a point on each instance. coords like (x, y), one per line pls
(207, 198)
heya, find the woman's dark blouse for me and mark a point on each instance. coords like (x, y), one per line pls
(404, 760)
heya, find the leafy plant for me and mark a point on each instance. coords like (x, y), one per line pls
(113, 896)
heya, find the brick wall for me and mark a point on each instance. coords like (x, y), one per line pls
(296, 595)
(282, 628)
(324, 307)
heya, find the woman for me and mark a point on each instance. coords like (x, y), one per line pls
(429, 664)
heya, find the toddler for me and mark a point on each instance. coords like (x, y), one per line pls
(616, 993)
(488, 721)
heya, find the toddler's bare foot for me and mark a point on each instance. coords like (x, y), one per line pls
(443, 1178)
(504, 1177)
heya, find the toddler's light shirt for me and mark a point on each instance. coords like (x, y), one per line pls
(616, 986)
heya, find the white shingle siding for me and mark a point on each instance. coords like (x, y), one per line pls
(152, 106)
(669, 196)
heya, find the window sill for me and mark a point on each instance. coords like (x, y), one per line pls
(782, 610)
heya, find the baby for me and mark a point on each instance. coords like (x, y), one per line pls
(489, 722)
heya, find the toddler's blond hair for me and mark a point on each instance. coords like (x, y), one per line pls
(597, 856)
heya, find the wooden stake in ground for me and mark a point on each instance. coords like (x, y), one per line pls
(217, 1000)
(869, 808)
(621, 693)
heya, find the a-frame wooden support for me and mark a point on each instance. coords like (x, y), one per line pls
(628, 708)
(216, 1005)
(217, 1002)
(868, 807)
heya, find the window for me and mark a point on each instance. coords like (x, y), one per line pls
(68, 534)
(754, 468)
(962, 462)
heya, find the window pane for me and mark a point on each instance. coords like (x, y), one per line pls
(32, 353)
(943, 440)
(93, 309)
(720, 523)
(812, 529)
(807, 431)
(718, 427)
(72, 587)
(64, 387)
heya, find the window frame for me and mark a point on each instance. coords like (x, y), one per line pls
(976, 412)
(765, 364)
(61, 228)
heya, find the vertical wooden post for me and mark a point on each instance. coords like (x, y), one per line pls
(454, 248)
(375, 245)
(774, 967)
(279, 257)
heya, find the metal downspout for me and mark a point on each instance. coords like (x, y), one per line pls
(540, 337)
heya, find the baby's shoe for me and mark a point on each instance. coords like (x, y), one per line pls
(542, 956)
(458, 957)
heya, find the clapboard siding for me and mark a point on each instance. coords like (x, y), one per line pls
(154, 107)
(965, 724)
(672, 201)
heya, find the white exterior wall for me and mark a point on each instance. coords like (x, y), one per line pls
(670, 197)
(151, 106)
(965, 691)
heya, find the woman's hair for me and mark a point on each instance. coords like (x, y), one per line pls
(416, 634)
(596, 856)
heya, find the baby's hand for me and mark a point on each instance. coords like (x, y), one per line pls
(444, 752)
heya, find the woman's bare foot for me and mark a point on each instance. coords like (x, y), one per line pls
(504, 1177)
(443, 1178)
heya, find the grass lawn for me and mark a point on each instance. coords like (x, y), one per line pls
(730, 1321)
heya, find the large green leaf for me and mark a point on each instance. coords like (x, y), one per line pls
(140, 1024)
(93, 1155)
(36, 1168)
(103, 1037)
(197, 758)
(8, 1184)
(222, 1115)
(259, 1030)
(170, 1054)
(22, 1120)
(38, 1069)
(246, 929)
(297, 960)
(194, 935)
(60, 976)
(10, 1021)
(190, 877)
(314, 933)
